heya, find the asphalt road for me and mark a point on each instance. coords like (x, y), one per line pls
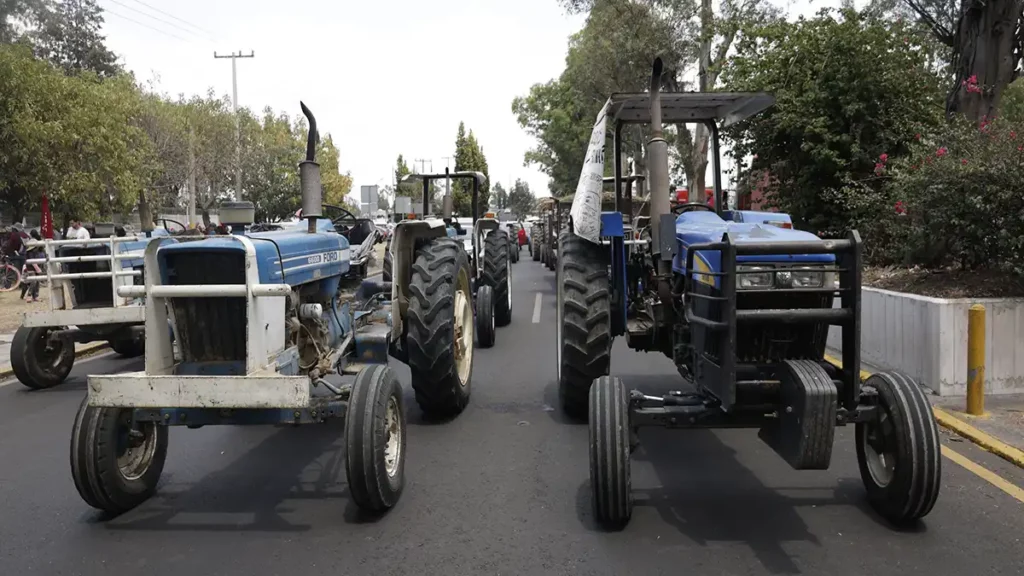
(503, 489)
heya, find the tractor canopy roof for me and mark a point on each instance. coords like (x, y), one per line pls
(689, 107)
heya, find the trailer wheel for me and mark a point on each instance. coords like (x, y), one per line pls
(386, 272)
(115, 462)
(583, 325)
(440, 327)
(375, 440)
(898, 454)
(497, 273)
(485, 316)
(37, 360)
(129, 347)
(609, 453)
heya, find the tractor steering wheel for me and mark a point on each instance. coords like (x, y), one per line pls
(691, 206)
(346, 215)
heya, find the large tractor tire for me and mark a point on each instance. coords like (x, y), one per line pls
(387, 265)
(39, 362)
(497, 273)
(440, 328)
(584, 321)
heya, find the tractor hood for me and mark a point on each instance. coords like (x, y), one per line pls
(704, 227)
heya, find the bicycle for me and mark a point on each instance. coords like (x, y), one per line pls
(10, 276)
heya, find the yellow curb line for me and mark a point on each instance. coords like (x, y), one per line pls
(951, 422)
(6, 371)
(985, 474)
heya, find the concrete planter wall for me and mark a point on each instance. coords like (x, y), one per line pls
(926, 338)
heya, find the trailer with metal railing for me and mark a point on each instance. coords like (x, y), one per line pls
(84, 306)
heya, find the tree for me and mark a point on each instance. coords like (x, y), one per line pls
(840, 111)
(985, 41)
(469, 156)
(521, 200)
(500, 196)
(554, 114)
(69, 36)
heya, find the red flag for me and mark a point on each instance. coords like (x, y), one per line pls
(46, 222)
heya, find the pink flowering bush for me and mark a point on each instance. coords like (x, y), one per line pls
(961, 195)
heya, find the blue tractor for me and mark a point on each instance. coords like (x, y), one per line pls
(742, 304)
(271, 328)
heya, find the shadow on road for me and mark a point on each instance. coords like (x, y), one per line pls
(708, 495)
(300, 463)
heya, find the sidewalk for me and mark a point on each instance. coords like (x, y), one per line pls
(1000, 430)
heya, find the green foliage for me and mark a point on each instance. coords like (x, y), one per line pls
(500, 196)
(77, 138)
(469, 156)
(961, 190)
(553, 113)
(847, 90)
(521, 199)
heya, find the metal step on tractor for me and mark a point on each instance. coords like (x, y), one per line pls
(271, 329)
(487, 247)
(743, 306)
(84, 305)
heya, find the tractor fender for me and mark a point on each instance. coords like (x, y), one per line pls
(403, 253)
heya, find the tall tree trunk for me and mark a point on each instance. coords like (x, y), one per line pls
(985, 56)
(705, 82)
(145, 213)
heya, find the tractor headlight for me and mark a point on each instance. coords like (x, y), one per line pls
(753, 277)
(807, 279)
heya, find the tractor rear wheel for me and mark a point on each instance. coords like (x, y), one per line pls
(609, 453)
(386, 266)
(40, 361)
(898, 454)
(497, 273)
(584, 321)
(439, 324)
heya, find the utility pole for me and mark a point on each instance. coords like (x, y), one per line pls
(423, 164)
(191, 175)
(234, 105)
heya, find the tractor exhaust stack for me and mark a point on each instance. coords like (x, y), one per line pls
(657, 160)
(309, 175)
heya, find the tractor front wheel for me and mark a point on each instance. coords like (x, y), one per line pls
(440, 328)
(485, 316)
(583, 324)
(898, 453)
(609, 453)
(40, 361)
(375, 440)
(116, 462)
(497, 273)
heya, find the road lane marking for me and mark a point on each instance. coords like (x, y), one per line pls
(984, 473)
(78, 362)
(536, 309)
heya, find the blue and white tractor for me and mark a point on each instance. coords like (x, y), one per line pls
(84, 305)
(742, 304)
(271, 328)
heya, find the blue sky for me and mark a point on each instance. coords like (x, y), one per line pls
(380, 76)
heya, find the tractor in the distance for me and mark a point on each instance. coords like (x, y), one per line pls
(269, 327)
(488, 248)
(743, 309)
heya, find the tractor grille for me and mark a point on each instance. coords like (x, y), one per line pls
(771, 342)
(209, 329)
(89, 292)
(767, 342)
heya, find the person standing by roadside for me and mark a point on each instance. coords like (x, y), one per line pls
(32, 288)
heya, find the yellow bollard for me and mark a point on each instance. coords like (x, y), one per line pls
(976, 360)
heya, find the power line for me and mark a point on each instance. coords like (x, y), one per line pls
(173, 16)
(146, 25)
(158, 19)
